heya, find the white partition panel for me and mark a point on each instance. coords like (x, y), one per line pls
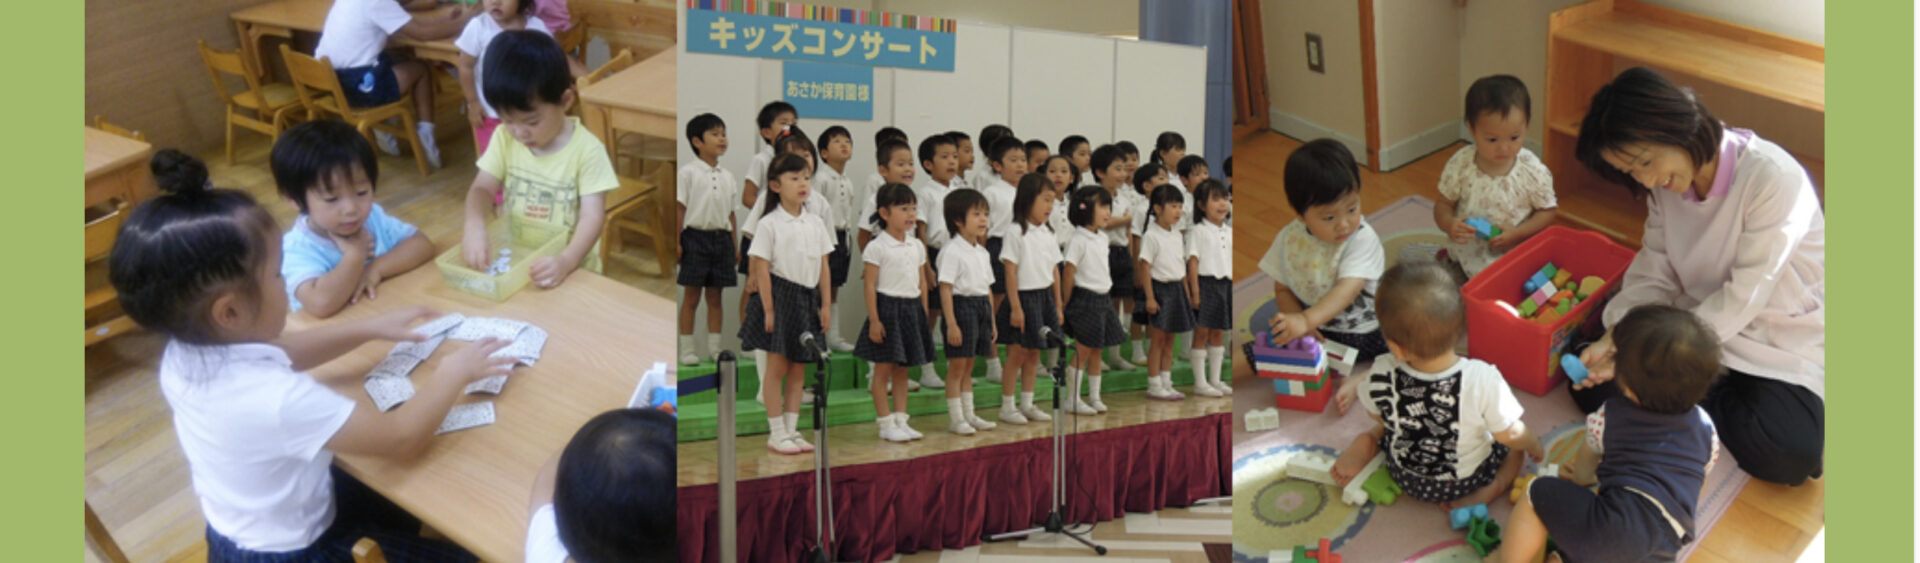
(1161, 87)
(973, 95)
(1062, 84)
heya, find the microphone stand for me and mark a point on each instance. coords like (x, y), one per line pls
(1055, 522)
(729, 503)
(822, 472)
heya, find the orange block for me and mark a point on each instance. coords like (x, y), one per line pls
(1547, 316)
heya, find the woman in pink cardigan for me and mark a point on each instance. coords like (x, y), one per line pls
(1734, 233)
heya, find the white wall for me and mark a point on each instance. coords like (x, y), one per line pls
(1306, 104)
(1418, 61)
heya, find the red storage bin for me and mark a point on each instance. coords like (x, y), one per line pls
(1526, 351)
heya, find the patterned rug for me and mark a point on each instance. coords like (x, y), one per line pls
(1275, 512)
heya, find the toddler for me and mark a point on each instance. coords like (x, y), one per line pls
(1496, 179)
(343, 244)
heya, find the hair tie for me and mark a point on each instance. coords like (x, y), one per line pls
(1083, 205)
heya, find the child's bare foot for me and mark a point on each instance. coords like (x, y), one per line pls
(1343, 399)
(1501, 485)
(1354, 459)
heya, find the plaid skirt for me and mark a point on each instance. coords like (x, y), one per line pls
(1120, 268)
(1176, 313)
(796, 310)
(1037, 306)
(837, 261)
(1090, 319)
(907, 342)
(974, 315)
(994, 244)
(706, 259)
(1215, 310)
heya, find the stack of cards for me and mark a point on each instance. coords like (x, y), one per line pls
(388, 384)
(467, 416)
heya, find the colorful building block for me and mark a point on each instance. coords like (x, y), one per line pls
(1575, 371)
(1305, 348)
(1550, 269)
(1261, 420)
(1355, 492)
(1543, 296)
(1590, 285)
(1560, 279)
(1520, 487)
(1566, 306)
(1311, 466)
(1484, 535)
(1483, 227)
(1381, 489)
(1340, 357)
(1460, 517)
(1528, 308)
(1325, 553)
(1536, 282)
(1548, 316)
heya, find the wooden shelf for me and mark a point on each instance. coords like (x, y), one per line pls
(1750, 66)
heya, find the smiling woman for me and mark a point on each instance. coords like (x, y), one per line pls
(1735, 234)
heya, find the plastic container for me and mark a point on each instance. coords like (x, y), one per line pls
(1526, 351)
(529, 242)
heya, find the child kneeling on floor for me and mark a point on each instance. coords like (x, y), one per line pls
(1448, 424)
(1649, 449)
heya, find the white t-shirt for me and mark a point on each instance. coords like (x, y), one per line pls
(933, 197)
(356, 32)
(1504, 200)
(968, 267)
(798, 241)
(1000, 196)
(1485, 406)
(709, 193)
(1213, 244)
(543, 538)
(473, 41)
(837, 191)
(1035, 253)
(254, 432)
(899, 261)
(1165, 253)
(1310, 267)
(1087, 251)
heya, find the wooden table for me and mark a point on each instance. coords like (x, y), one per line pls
(639, 99)
(116, 168)
(473, 485)
(280, 18)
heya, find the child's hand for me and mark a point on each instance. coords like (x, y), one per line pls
(1019, 320)
(550, 271)
(953, 334)
(1287, 327)
(476, 116)
(473, 363)
(397, 325)
(359, 246)
(473, 247)
(1461, 232)
(369, 278)
(1598, 358)
(1505, 240)
(1153, 306)
(1060, 315)
(878, 332)
(1353, 460)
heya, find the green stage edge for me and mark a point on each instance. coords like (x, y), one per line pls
(849, 402)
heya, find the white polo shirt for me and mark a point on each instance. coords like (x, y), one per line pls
(1213, 245)
(1035, 253)
(1165, 252)
(756, 173)
(1087, 251)
(1127, 201)
(933, 197)
(899, 261)
(798, 242)
(968, 267)
(837, 191)
(709, 193)
(254, 432)
(356, 31)
(1000, 218)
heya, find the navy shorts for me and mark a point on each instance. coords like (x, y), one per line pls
(370, 86)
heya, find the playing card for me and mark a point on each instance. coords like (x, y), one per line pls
(417, 350)
(437, 326)
(396, 365)
(388, 392)
(475, 328)
(525, 347)
(489, 385)
(467, 416)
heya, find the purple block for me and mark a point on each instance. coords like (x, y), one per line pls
(1304, 349)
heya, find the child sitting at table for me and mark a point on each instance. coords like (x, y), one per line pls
(608, 496)
(343, 244)
(553, 170)
(201, 266)
(354, 39)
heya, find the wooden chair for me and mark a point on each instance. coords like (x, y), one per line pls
(573, 41)
(100, 122)
(631, 152)
(103, 226)
(649, 214)
(269, 107)
(368, 551)
(319, 91)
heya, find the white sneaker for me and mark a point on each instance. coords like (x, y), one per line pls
(958, 424)
(689, 359)
(912, 385)
(839, 345)
(1159, 389)
(1119, 362)
(1098, 406)
(428, 144)
(387, 142)
(1139, 355)
(900, 421)
(1035, 414)
(1080, 406)
(974, 420)
(931, 380)
(1166, 388)
(1011, 415)
(793, 437)
(993, 372)
(890, 431)
(1204, 389)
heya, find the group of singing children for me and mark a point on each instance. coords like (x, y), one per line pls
(1449, 425)
(1000, 256)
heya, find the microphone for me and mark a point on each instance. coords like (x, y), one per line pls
(807, 340)
(1047, 334)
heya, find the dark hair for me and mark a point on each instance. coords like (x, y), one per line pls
(772, 111)
(889, 195)
(960, 136)
(1667, 356)
(1071, 169)
(526, 7)
(306, 157)
(1003, 145)
(1127, 148)
(524, 66)
(958, 203)
(1071, 142)
(792, 140)
(1145, 173)
(613, 489)
(1103, 157)
(888, 147)
(700, 125)
(886, 133)
(1320, 172)
(1208, 190)
(1641, 106)
(178, 252)
(1167, 141)
(1083, 201)
(1498, 94)
(1036, 144)
(1030, 188)
(1227, 166)
(930, 146)
(1420, 309)
(993, 133)
(782, 163)
(826, 137)
(1190, 164)
(1162, 195)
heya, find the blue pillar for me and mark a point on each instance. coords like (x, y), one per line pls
(1203, 23)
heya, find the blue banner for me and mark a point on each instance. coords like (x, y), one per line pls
(828, 91)
(774, 37)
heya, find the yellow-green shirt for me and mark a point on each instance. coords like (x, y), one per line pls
(547, 189)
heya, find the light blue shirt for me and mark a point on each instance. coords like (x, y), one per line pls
(307, 255)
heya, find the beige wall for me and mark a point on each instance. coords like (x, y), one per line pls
(1333, 100)
(1508, 37)
(1418, 58)
(143, 72)
(1098, 17)
(1800, 19)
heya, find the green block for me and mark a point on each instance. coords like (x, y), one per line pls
(1380, 487)
(1565, 305)
(1300, 554)
(1484, 535)
(1528, 308)
(1550, 270)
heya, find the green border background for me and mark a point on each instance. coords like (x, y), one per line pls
(1869, 476)
(1870, 148)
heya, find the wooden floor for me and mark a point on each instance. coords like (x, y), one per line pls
(1767, 522)
(136, 476)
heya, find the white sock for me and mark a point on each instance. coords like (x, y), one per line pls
(760, 371)
(1197, 361)
(793, 422)
(1026, 399)
(1093, 388)
(957, 407)
(993, 362)
(966, 402)
(1216, 355)
(776, 428)
(686, 345)
(713, 345)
